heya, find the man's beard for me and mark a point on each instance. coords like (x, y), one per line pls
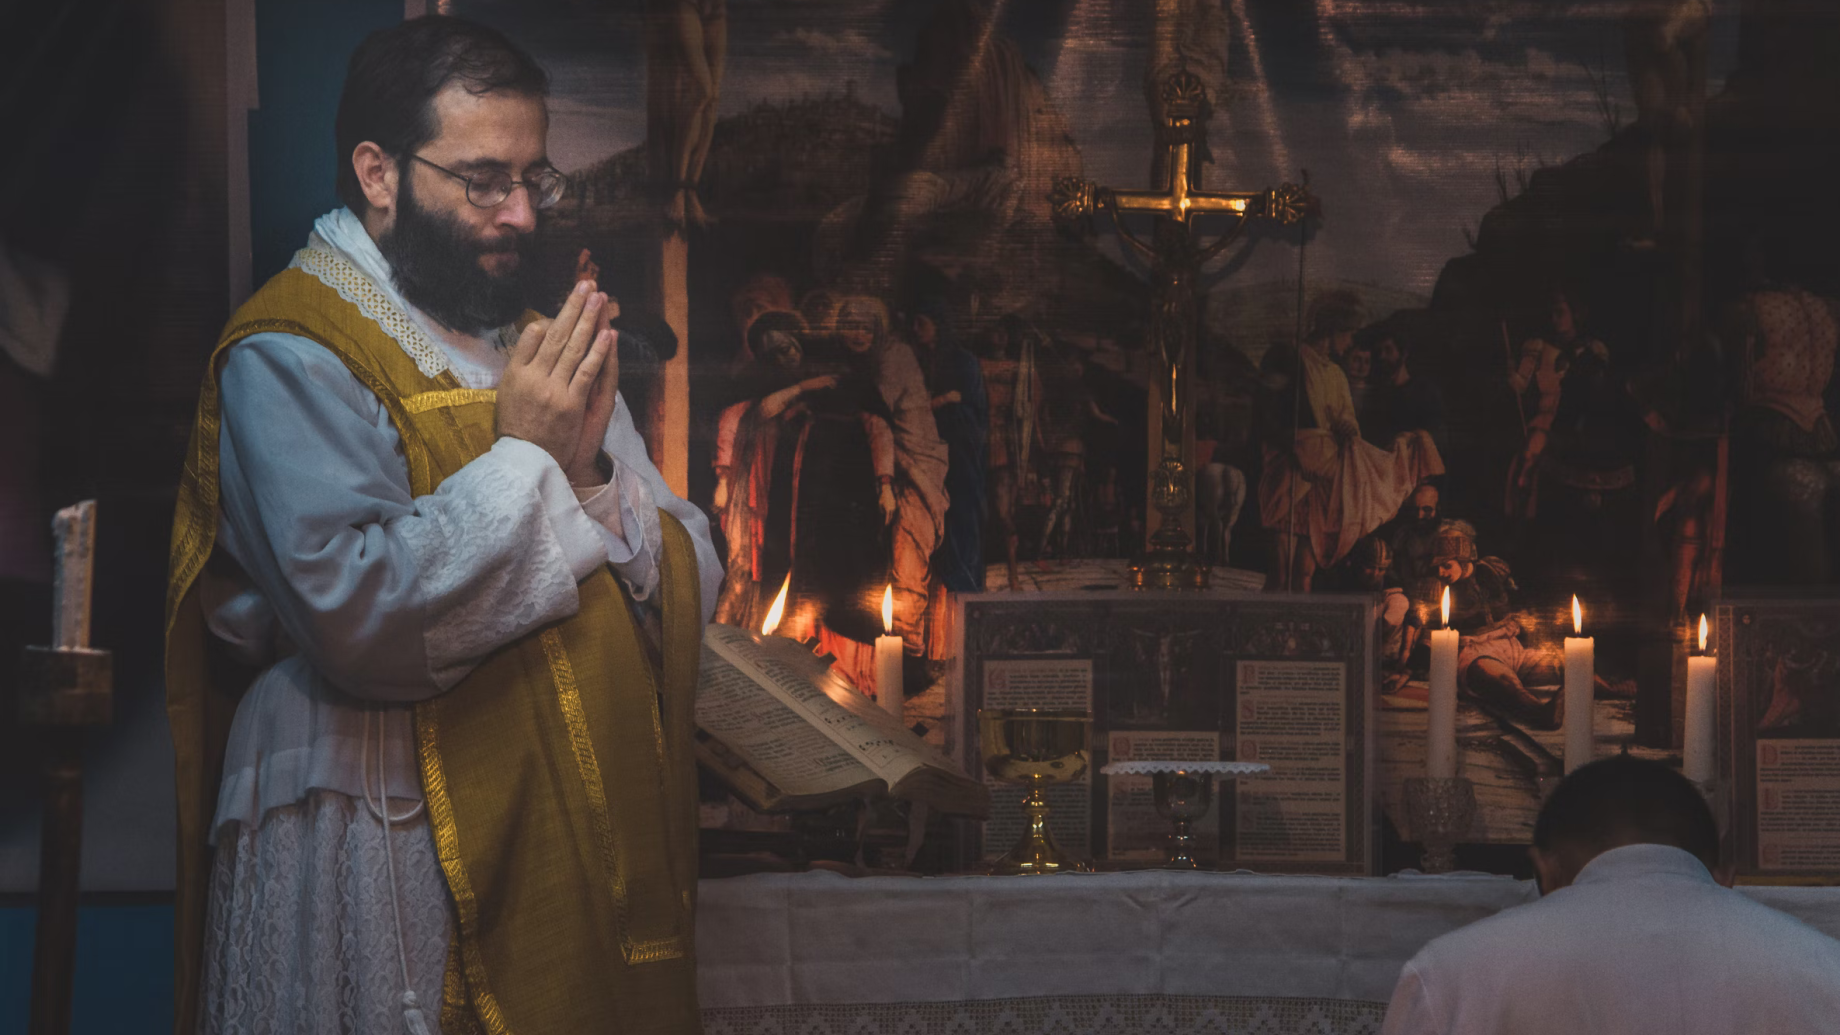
(434, 260)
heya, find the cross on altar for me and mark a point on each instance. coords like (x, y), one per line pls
(1176, 256)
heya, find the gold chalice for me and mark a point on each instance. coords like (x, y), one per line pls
(1035, 747)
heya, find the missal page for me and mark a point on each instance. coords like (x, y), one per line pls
(1798, 805)
(851, 721)
(1039, 683)
(1133, 829)
(1292, 715)
(779, 742)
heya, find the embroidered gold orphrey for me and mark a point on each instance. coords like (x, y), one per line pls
(559, 774)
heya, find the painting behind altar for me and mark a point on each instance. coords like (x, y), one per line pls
(1495, 178)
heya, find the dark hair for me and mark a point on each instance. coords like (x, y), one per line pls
(1573, 297)
(770, 321)
(1373, 334)
(1334, 312)
(1627, 800)
(395, 73)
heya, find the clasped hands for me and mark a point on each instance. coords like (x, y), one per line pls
(561, 383)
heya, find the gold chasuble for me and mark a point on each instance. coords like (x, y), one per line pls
(559, 774)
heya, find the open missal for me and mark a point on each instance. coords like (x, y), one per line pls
(786, 733)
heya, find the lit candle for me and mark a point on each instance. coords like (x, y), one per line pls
(1580, 674)
(1441, 737)
(1698, 761)
(778, 609)
(888, 659)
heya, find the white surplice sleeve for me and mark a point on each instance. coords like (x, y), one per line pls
(1413, 1009)
(626, 513)
(389, 596)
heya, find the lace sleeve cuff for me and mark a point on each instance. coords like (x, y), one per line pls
(575, 533)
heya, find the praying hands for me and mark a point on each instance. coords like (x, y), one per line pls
(559, 388)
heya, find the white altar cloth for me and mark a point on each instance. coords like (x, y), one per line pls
(1163, 951)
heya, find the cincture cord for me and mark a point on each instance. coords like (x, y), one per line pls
(413, 1021)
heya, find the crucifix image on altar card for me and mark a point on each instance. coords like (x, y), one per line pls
(1166, 680)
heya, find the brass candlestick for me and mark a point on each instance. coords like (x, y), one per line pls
(1036, 747)
(1170, 562)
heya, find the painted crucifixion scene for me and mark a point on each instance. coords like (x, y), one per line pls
(981, 297)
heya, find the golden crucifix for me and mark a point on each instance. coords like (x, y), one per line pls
(1176, 256)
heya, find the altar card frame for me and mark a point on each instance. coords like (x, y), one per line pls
(1258, 671)
(1779, 735)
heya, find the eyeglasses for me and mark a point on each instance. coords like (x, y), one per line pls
(490, 189)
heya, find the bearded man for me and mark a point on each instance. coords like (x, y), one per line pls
(462, 775)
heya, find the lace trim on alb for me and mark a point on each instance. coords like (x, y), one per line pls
(341, 275)
(1059, 1015)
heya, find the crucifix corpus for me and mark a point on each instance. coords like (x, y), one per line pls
(1176, 253)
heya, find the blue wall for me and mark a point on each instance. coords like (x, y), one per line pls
(124, 970)
(301, 50)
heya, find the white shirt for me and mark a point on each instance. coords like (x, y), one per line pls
(359, 597)
(1643, 941)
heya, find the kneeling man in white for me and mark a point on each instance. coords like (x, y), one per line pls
(1634, 934)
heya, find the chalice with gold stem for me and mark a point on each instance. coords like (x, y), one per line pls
(1036, 747)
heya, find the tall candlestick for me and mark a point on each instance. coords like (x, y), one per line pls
(1441, 723)
(888, 652)
(1580, 675)
(1699, 760)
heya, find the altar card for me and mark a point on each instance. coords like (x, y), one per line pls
(1779, 735)
(1292, 716)
(1233, 676)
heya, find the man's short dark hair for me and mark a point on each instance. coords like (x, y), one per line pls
(395, 73)
(1374, 333)
(1627, 800)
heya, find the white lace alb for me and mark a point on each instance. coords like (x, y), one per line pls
(292, 942)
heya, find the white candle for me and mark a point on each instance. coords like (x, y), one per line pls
(74, 527)
(888, 653)
(1699, 761)
(1580, 675)
(1441, 732)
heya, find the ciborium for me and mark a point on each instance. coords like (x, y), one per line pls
(1183, 791)
(1033, 748)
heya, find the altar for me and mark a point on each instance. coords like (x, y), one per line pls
(1152, 951)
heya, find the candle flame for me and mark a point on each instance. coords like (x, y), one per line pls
(1446, 607)
(778, 609)
(1577, 617)
(888, 609)
(1702, 634)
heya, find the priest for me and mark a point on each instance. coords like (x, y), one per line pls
(454, 786)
